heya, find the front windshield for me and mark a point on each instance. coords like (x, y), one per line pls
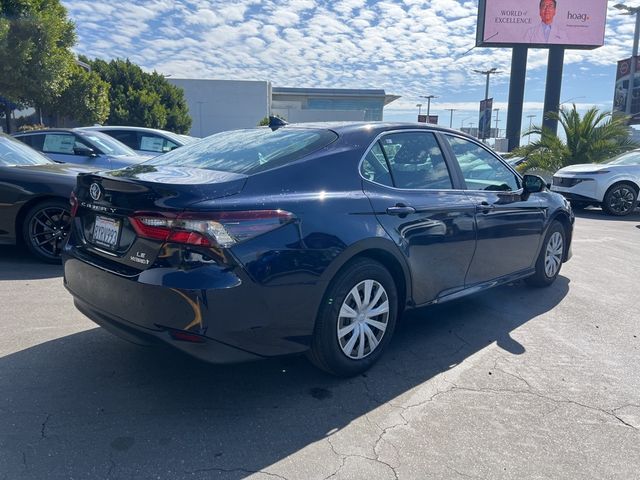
(107, 144)
(14, 152)
(629, 158)
(248, 151)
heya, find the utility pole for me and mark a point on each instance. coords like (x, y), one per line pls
(428, 97)
(451, 110)
(632, 71)
(419, 105)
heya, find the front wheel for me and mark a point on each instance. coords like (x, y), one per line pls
(356, 319)
(550, 258)
(45, 229)
(620, 200)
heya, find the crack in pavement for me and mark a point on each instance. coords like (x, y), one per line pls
(44, 426)
(233, 470)
(345, 456)
(465, 475)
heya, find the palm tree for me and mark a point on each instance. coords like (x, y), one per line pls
(592, 138)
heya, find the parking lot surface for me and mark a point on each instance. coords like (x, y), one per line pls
(512, 383)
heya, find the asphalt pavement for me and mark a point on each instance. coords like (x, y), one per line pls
(512, 383)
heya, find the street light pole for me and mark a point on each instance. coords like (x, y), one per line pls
(632, 71)
(530, 117)
(451, 110)
(497, 110)
(428, 97)
(488, 74)
(419, 105)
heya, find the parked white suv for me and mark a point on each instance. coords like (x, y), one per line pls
(614, 184)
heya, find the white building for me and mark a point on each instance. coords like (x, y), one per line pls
(218, 105)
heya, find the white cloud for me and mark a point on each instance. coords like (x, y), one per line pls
(408, 47)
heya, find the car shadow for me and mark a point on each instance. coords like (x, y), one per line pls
(19, 264)
(598, 214)
(91, 404)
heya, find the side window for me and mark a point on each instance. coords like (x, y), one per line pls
(375, 168)
(416, 161)
(129, 138)
(480, 169)
(154, 143)
(58, 143)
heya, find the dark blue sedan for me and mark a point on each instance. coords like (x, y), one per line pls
(305, 238)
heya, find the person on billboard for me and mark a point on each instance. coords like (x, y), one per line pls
(546, 31)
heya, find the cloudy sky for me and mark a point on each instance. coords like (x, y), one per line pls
(407, 47)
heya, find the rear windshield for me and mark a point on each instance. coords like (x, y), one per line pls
(248, 151)
(13, 152)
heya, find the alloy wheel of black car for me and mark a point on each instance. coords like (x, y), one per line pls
(620, 200)
(550, 257)
(356, 320)
(45, 229)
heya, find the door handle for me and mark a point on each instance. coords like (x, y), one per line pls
(400, 210)
(485, 207)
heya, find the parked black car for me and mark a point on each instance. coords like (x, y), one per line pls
(34, 199)
(305, 238)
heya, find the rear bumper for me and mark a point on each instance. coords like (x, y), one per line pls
(208, 350)
(234, 318)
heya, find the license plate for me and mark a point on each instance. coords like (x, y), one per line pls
(105, 232)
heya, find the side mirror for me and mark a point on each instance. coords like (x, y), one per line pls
(84, 151)
(533, 184)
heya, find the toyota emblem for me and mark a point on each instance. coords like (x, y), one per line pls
(95, 191)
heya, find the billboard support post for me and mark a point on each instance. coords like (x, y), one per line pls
(632, 75)
(516, 94)
(554, 86)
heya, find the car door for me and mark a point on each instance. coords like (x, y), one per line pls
(407, 180)
(509, 223)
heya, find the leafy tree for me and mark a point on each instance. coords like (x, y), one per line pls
(591, 138)
(142, 99)
(35, 41)
(85, 100)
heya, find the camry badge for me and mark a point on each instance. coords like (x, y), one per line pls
(95, 191)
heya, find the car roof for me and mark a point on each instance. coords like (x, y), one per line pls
(379, 126)
(126, 127)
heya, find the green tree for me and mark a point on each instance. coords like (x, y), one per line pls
(590, 138)
(86, 98)
(142, 99)
(35, 55)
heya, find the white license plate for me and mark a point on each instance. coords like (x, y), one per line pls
(105, 232)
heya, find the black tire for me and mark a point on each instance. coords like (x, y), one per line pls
(620, 199)
(327, 351)
(544, 277)
(45, 229)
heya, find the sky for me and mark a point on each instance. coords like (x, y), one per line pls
(410, 48)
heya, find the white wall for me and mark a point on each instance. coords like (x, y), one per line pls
(219, 105)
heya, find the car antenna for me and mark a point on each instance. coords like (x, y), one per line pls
(276, 122)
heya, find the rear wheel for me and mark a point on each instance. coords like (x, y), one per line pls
(356, 320)
(45, 229)
(550, 258)
(620, 199)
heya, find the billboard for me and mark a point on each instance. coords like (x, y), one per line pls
(433, 119)
(621, 91)
(422, 119)
(541, 23)
(484, 122)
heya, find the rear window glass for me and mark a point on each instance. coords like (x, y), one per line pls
(248, 151)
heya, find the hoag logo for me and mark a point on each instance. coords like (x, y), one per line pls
(581, 17)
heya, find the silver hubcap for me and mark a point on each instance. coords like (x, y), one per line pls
(621, 200)
(553, 256)
(363, 319)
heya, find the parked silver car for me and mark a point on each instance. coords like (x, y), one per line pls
(145, 141)
(94, 150)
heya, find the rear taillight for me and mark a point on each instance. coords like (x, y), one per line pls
(223, 229)
(73, 201)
